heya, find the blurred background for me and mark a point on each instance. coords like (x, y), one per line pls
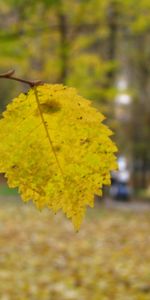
(101, 47)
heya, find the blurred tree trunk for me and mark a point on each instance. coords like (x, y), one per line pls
(112, 21)
(64, 45)
(112, 16)
(140, 126)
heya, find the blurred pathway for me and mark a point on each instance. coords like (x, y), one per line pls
(133, 205)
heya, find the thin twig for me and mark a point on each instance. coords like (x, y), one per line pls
(9, 75)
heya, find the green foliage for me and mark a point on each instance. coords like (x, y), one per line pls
(51, 2)
(70, 31)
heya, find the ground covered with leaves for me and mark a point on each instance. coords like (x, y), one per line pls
(42, 258)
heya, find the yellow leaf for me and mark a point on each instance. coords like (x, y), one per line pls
(56, 150)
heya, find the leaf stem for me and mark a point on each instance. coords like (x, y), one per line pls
(46, 129)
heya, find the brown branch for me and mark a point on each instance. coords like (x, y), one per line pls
(9, 75)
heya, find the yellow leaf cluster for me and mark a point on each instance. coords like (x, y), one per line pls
(58, 153)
